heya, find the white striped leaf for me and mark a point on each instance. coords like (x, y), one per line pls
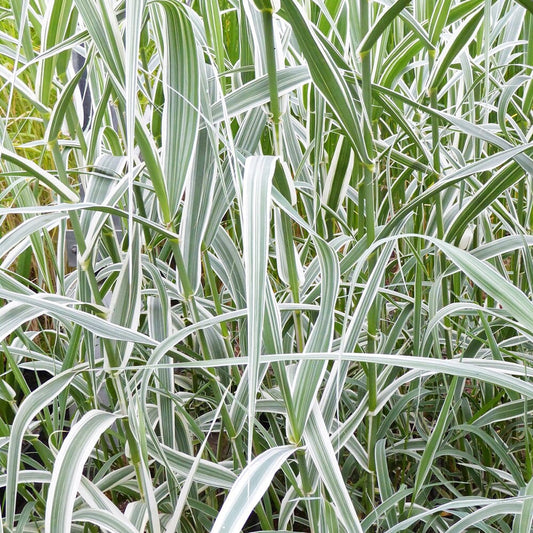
(40, 174)
(181, 117)
(105, 520)
(256, 207)
(250, 486)
(35, 402)
(68, 468)
(320, 449)
(309, 374)
(37, 304)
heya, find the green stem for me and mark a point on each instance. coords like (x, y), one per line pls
(312, 504)
(368, 197)
(270, 48)
(440, 261)
(218, 308)
(275, 111)
(307, 487)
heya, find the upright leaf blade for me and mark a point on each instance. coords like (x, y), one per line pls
(181, 114)
(256, 207)
(327, 78)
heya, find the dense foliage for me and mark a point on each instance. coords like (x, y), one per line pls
(301, 290)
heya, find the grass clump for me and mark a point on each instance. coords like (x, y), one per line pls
(302, 293)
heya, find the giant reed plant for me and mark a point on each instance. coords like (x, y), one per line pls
(302, 294)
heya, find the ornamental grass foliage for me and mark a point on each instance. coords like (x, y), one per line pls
(266, 266)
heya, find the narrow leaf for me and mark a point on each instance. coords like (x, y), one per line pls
(256, 207)
(35, 402)
(249, 488)
(68, 468)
